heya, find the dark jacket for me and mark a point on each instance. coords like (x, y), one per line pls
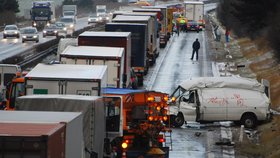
(196, 45)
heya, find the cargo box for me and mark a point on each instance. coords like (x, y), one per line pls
(40, 140)
(73, 120)
(92, 108)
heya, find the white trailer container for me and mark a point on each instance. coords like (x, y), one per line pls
(113, 57)
(66, 79)
(74, 126)
(150, 25)
(112, 39)
(194, 10)
(92, 108)
(209, 99)
(101, 10)
(70, 11)
(63, 43)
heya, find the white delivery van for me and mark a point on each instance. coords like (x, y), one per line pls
(113, 57)
(209, 99)
(66, 79)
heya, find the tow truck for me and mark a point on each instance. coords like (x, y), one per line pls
(141, 123)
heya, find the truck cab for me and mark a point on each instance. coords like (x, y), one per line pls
(42, 13)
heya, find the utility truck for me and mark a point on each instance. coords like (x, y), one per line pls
(143, 113)
(93, 116)
(113, 57)
(113, 39)
(59, 79)
(194, 11)
(42, 13)
(210, 99)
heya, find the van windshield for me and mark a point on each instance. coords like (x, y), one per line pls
(178, 92)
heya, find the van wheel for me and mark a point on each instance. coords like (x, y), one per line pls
(179, 120)
(249, 120)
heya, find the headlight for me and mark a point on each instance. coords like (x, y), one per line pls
(48, 24)
(100, 18)
(64, 28)
(5, 32)
(55, 31)
(88, 20)
(34, 24)
(107, 18)
(35, 36)
(16, 32)
(23, 36)
(71, 25)
(44, 31)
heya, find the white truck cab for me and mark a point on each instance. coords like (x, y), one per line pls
(210, 99)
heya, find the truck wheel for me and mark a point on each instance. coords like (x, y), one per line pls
(249, 120)
(179, 120)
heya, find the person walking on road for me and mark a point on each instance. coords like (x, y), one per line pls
(195, 46)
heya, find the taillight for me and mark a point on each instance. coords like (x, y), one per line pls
(124, 145)
(161, 139)
(151, 99)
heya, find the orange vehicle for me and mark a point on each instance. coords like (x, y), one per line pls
(143, 113)
(14, 89)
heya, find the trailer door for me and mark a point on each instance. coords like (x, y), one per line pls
(42, 87)
(88, 88)
(114, 78)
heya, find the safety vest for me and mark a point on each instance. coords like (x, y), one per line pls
(182, 21)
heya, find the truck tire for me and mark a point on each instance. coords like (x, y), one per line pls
(179, 120)
(249, 120)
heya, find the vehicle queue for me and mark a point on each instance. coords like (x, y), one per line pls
(133, 57)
